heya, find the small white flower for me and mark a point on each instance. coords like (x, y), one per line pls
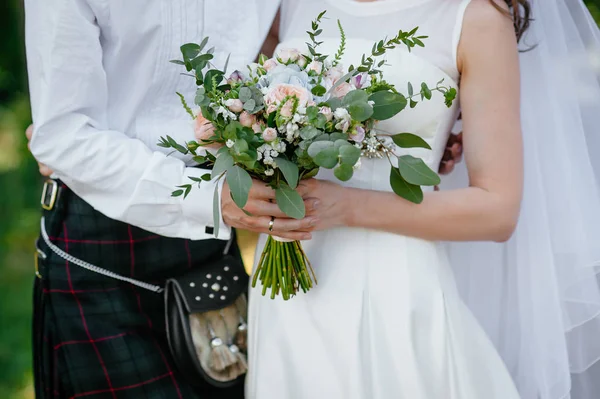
(371, 103)
(274, 154)
(269, 172)
(357, 165)
(342, 114)
(229, 143)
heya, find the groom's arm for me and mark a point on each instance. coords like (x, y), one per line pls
(119, 176)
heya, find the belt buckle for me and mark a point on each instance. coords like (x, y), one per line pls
(49, 194)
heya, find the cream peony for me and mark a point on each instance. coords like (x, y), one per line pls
(276, 94)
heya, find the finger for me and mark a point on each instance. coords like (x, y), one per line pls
(291, 235)
(447, 156)
(446, 167)
(44, 170)
(306, 187)
(261, 190)
(264, 208)
(29, 132)
(311, 205)
(281, 224)
(456, 150)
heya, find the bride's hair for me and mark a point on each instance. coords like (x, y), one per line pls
(520, 12)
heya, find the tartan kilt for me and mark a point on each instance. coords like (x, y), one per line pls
(96, 337)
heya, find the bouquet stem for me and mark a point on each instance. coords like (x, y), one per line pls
(284, 267)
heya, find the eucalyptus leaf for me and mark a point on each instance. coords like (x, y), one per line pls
(341, 143)
(343, 172)
(415, 171)
(327, 158)
(310, 174)
(349, 155)
(361, 111)
(404, 189)
(249, 105)
(190, 51)
(290, 171)
(240, 146)
(334, 103)
(309, 132)
(355, 96)
(290, 202)
(409, 140)
(387, 104)
(224, 161)
(245, 94)
(319, 90)
(318, 146)
(239, 182)
(338, 136)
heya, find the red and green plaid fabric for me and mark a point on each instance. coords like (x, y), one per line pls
(101, 338)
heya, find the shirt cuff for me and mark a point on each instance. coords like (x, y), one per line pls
(197, 207)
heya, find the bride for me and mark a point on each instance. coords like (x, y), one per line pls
(387, 320)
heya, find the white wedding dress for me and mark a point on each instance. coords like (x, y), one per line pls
(385, 320)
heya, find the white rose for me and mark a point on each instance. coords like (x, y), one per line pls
(288, 54)
(326, 111)
(235, 105)
(301, 61)
(315, 66)
(270, 64)
(269, 134)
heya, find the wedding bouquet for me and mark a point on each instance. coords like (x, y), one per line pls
(290, 115)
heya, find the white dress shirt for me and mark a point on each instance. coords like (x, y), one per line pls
(103, 93)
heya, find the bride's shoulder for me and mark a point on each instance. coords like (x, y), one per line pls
(486, 24)
(487, 15)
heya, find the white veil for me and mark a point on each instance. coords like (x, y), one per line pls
(538, 295)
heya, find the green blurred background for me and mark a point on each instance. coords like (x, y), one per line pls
(19, 210)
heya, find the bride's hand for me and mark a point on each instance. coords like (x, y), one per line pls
(328, 202)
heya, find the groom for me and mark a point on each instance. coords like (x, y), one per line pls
(99, 103)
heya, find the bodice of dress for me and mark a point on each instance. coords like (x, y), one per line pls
(365, 23)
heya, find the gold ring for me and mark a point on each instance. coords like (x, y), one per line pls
(271, 223)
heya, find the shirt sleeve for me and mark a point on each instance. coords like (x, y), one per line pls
(118, 175)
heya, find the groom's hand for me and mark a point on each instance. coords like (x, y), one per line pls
(44, 170)
(452, 154)
(261, 206)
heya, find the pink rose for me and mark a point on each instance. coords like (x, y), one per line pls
(269, 134)
(358, 134)
(235, 105)
(271, 108)
(315, 66)
(288, 54)
(204, 130)
(286, 110)
(334, 74)
(281, 91)
(342, 90)
(270, 64)
(326, 111)
(247, 120)
(257, 128)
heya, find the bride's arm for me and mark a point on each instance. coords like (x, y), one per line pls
(489, 208)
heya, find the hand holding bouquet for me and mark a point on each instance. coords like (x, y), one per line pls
(289, 116)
